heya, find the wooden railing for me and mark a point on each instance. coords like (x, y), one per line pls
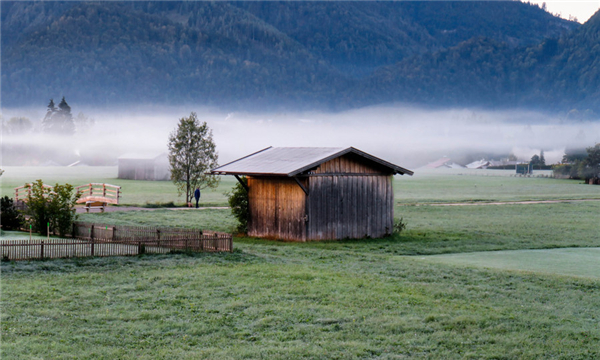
(99, 192)
(23, 192)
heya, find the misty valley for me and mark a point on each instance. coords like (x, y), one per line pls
(407, 135)
(299, 180)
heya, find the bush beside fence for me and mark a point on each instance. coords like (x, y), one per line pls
(106, 240)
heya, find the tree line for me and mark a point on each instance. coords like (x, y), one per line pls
(580, 165)
(58, 120)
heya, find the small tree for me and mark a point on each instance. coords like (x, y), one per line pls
(192, 153)
(10, 218)
(62, 208)
(238, 202)
(535, 160)
(592, 162)
(54, 206)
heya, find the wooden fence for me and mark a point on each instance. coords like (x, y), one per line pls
(104, 240)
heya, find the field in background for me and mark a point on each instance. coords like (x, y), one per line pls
(337, 299)
(460, 185)
(134, 192)
(427, 186)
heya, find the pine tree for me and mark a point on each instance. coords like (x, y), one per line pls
(59, 121)
(49, 113)
(65, 109)
(51, 107)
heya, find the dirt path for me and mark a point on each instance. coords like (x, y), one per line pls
(525, 202)
(81, 210)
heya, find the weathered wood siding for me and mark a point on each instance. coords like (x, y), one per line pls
(349, 164)
(277, 208)
(349, 197)
(350, 206)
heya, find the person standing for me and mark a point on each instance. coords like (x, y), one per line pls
(197, 196)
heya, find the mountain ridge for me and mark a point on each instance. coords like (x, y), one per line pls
(332, 55)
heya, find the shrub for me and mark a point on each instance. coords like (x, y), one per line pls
(10, 218)
(53, 206)
(238, 201)
(399, 226)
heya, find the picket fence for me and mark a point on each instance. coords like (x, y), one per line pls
(89, 239)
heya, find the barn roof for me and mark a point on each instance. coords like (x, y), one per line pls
(291, 161)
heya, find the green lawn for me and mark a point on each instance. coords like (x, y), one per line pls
(287, 301)
(430, 229)
(208, 219)
(352, 299)
(583, 262)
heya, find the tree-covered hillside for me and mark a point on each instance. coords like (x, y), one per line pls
(556, 74)
(297, 54)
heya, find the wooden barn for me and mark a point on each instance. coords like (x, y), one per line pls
(305, 194)
(153, 167)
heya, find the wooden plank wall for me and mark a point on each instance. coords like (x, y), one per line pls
(350, 197)
(277, 208)
(349, 164)
(342, 206)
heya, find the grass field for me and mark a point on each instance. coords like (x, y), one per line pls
(430, 229)
(427, 187)
(567, 261)
(354, 299)
(291, 301)
(134, 192)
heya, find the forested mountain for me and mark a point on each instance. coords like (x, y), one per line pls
(556, 74)
(326, 54)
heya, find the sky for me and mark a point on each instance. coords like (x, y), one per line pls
(581, 9)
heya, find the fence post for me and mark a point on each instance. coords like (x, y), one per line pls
(92, 232)
(42, 250)
(92, 246)
(158, 234)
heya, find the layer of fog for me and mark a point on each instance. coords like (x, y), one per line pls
(410, 137)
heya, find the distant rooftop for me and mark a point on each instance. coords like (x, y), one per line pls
(141, 156)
